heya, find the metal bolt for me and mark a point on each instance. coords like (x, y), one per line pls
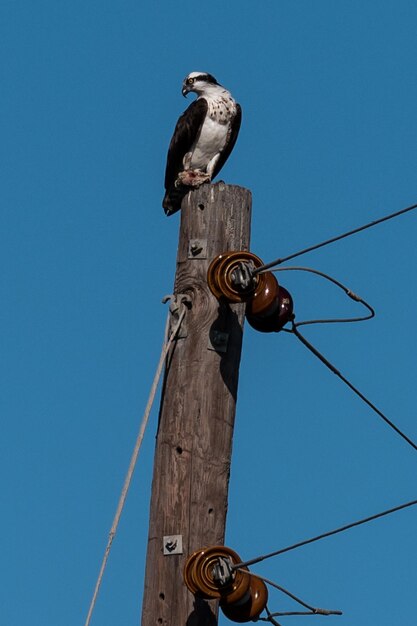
(218, 340)
(172, 544)
(196, 248)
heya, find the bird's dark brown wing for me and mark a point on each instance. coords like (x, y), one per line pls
(186, 131)
(234, 131)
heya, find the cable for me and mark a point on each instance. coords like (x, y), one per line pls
(324, 535)
(134, 457)
(349, 384)
(286, 613)
(333, 239)
(347, 291)
(270, 618)
(312, 610)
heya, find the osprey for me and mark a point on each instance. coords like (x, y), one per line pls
(203, 138)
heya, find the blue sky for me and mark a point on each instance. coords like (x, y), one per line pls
(90, 96)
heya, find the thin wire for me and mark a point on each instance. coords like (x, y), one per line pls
(282, 589)
(134, 457)
(349, 384)
(270, 618)
(312, 609)
(324, 535)
(347, 291)
(333, 239)
(286, 613)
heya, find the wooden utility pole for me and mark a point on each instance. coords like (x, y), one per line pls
(194, 440)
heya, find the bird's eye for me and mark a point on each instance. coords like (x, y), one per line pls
(190, 81)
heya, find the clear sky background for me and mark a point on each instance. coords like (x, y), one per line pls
(91, 91)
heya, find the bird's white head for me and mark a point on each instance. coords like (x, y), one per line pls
(200, 83)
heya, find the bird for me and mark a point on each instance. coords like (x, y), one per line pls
(203, 139)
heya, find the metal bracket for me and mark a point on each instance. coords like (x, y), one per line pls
(197, 249)
(218, 340)
(177, 301)
(242, 276)
(222, 571)
(172, 544)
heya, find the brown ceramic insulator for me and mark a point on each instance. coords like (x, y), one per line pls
(198, 575)
(220, 276)
(278, 317)
(250, 608)
(265, 300)
(189, 570)
(212, 274)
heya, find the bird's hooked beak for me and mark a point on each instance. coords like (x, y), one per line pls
(185, 90)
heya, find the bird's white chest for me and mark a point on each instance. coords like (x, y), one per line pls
(221, 109)
(214, 132)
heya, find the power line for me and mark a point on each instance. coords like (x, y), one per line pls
(294, 330)
(333, 239)
(347, 291)
(333, 369)
(341, 529)
(311, 609)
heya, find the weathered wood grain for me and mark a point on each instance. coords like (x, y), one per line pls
(194, 441)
